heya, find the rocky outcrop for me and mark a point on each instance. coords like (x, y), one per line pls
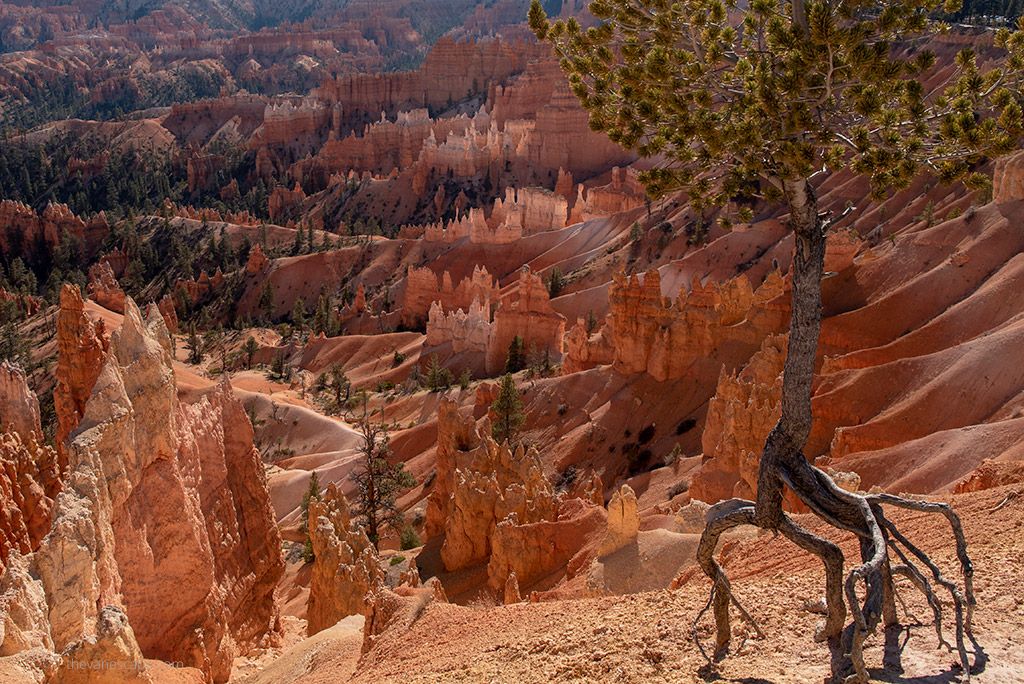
(164, 514)
(468, 330)
(199, 289)
(29, 483)
(114, 645)
(991, 474)
(257, 262)
(21, 228)
(282, 199)
(493, 505)
(653, 334)
(522, 212)
(496, 484)
(584, 350)
(346, 566)
(525, 312)
(166, 308)
(743, 411)
(19, 407)
(104, 288)
(81, 352)
(456, 436)
(1008, 178)
(623, 521)
(422, 289)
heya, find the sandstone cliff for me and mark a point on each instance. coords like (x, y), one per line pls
(81, 352)
(165, 513)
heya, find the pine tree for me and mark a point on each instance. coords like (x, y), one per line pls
(516, 360)
(437, 376)
(313, 493)
(299, 313)
(508, 411)
(340, 383)
(194, 345)
(249, 349)
(752, 101)
(267, 300)
(378, 482)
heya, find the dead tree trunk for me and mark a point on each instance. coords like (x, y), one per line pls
(783, 466)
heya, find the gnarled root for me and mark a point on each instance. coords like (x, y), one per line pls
(881, 543)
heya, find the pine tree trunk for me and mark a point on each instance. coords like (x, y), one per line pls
(786, 441)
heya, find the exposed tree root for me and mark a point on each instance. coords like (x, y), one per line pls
(881, 542)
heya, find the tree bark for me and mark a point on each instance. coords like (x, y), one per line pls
(786, 441)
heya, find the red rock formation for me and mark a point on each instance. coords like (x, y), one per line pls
(422, 290)
(525, 211)
(29, 477)
(991, 474)
(104, 288)
(165, 513)
(623, 193)
(202, 169)
(20, 225)
(170, 314)
(455, 436)
(282, 199)
(26, 304)
(20, 407)
(82, 348)
(527, 313)
(201, 288)
(583, 350)
(494, 505)
(258, 261)
(743, 411)
(654, 334)
(346, 566)
(1008, 179)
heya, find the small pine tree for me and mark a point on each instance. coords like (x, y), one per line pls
(299, 313)
(249, 349)
(378, 482)
(339, 382)
(437, 377)
(508, 411)
(516, 360)
(277, 365)
(556, 281)
(409, 539)
(267, 299)
(465, 379)
(312, 493)
(195, 345)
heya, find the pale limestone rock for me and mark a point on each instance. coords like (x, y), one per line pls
(623, 521)
(690, 519)
(113, 646)
(23, 611)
